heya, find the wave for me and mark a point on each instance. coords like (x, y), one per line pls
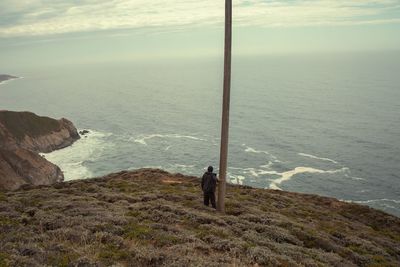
(255, 151)
(355, 178)
(236, 179)
(286, 176)
(142, 138)
(182, 167)
(267, 166)
(315, 157)
(72, 159)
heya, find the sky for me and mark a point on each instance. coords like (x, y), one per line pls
(70, 31)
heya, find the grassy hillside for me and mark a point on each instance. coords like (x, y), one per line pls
(153, 218)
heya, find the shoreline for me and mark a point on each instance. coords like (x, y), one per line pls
(2, 82)
(73, 162)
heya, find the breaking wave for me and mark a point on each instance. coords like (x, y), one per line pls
(72, 160)
(236, 179)
(315, 157)
(255, 151)
(143, 138)
(286, 176)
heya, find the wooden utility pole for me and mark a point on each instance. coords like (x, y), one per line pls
(223, 162)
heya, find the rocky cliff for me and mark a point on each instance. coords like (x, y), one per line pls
(154, 218)
(30, 131)
(21, 166)
(22, 136)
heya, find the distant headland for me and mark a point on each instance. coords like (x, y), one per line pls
(6, 77)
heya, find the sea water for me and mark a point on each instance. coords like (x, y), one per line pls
(320, 124)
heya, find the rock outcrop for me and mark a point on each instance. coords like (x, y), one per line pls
(22, 166)
(22, 136)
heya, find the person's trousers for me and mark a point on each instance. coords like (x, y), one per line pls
(210, 196)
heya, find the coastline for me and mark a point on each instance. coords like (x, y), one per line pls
(4, 81)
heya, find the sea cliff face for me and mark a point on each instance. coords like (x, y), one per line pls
(22, 136)
(21, 166)
(40, 134)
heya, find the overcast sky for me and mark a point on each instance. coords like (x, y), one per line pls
(129, 29)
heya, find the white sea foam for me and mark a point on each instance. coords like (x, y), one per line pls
(315, 157)
(251, 171)
(183, 166)
(254, 173)
(354, 178)
(267, 166)
(286, 176)
(71, 159)
(255, 151)
(252, 150)
(236, 179)
(235, 168)
(357, 178)
(142, 138)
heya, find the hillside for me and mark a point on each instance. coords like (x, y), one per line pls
(153, 218)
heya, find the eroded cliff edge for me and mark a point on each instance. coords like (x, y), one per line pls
(22, 136)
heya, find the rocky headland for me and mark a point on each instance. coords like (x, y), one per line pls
(154, 218)
(22, 136)
(5, 77)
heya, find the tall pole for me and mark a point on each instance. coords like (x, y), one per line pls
(223, 162)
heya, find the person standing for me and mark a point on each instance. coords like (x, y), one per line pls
(208, 185)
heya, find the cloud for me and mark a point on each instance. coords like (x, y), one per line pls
(46, 17)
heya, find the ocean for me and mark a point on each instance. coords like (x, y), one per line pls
(320, 124)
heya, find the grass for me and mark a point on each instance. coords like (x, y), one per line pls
(153, 218)
(20, 123)
(134, 230)
(5, 221)
(111, 253)
(62, 259)
(3, 259)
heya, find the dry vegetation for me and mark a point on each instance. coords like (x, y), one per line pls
(20, 124)
(153, 218)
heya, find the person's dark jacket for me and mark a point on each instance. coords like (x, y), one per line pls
(209, 182)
